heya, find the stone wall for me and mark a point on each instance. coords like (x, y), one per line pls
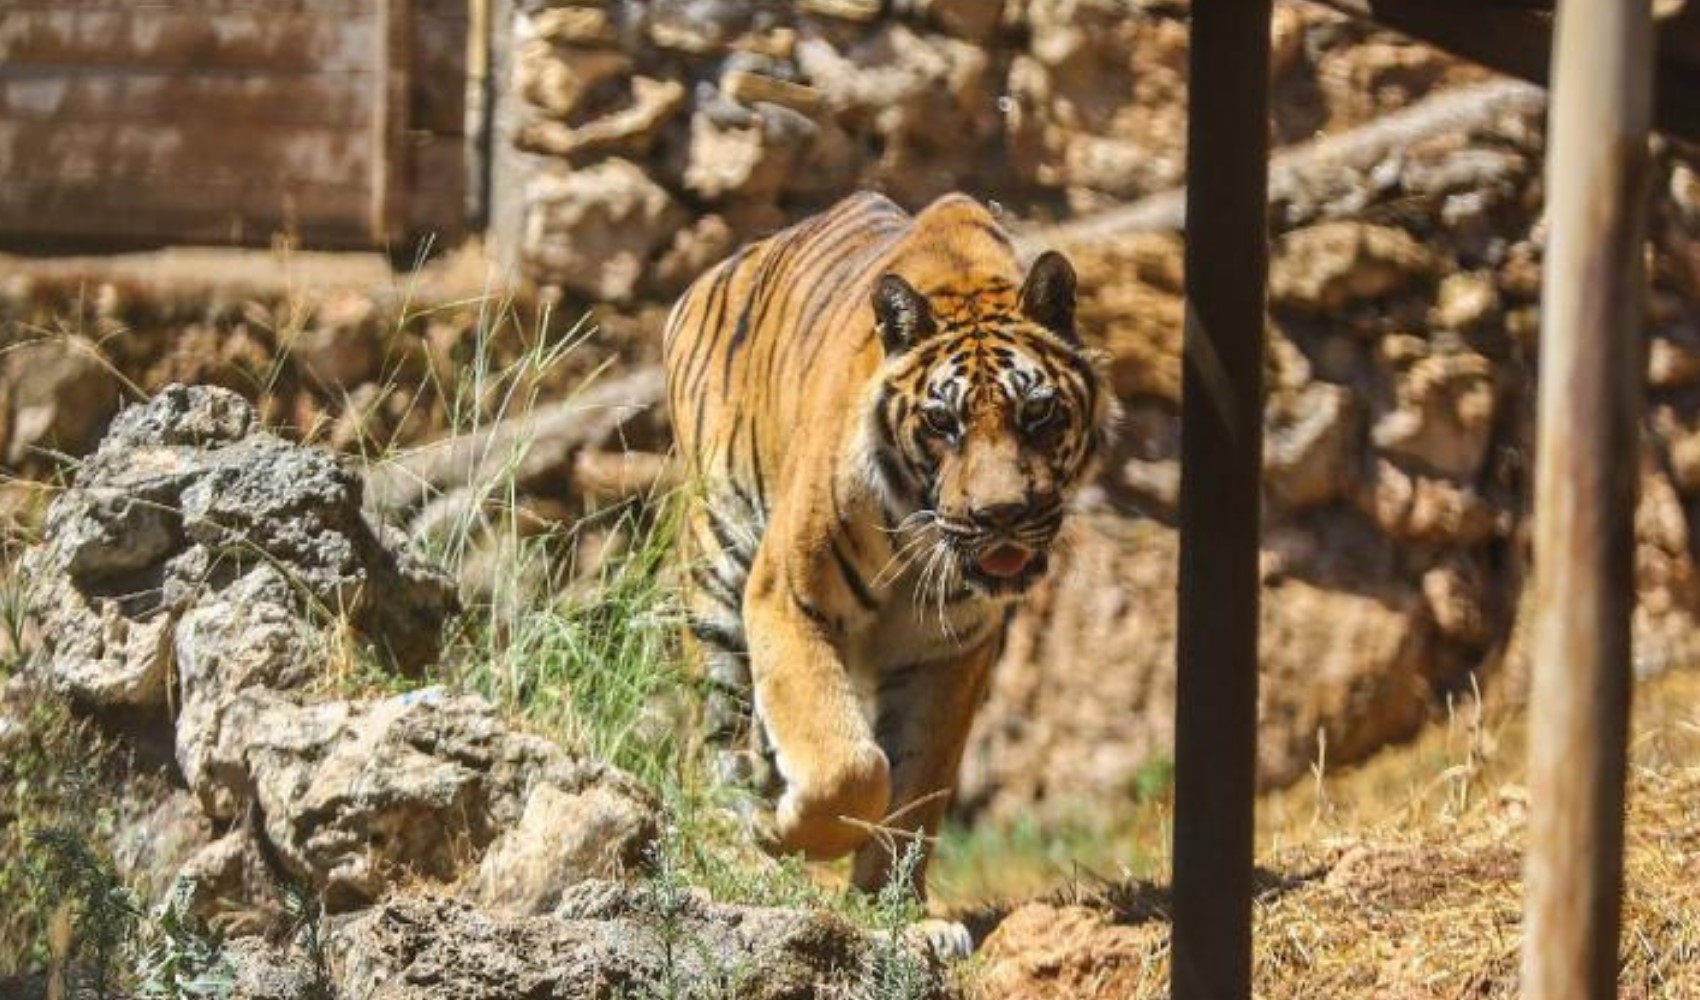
(640, 141)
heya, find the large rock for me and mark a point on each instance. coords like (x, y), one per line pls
(194, 546)
(593, 231)
(607, 941)
(188, 511)
(58, 395)
(353, 793)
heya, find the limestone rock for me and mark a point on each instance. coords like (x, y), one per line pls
(1322, 268)
(1344, 649)
(593, 231)
(604, 941)
(1444, 417)
(558, 80)
(1312, 445)
(189, 519)
(60, 394)
(752, 162)
(564, 837)
(628, 131)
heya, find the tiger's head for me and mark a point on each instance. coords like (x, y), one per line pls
(987, 415)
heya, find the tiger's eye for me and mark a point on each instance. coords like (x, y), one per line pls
(1038, 410)
(941, 419)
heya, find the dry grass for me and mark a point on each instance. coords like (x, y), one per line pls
(1402, 878)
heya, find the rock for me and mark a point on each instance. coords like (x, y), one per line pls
(575, 26)
(340, 348)
(1672, 363)
(354, 793)
(1426, 510)
(266, 972)
(189, 521)
(61, 393)
(558, 80)
(628, 131)
(1320, 269)
(1466, 301)
(603, 942)
(1666, 619)
(973, 20)
(1455, 592)
(1444, 416)
(228, 884)
(747, 163)
(593, 231)
(1046, 951)
(563, 838)
(694, 250)
(1311, 446)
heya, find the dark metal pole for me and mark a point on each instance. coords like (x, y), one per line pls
(1587, 463)
(1221, 464)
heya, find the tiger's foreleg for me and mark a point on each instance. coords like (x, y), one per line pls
(925, 711)
(837, 783)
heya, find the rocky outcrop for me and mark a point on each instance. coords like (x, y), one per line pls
(208, 576)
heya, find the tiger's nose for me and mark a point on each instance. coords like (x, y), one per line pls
(999, 515)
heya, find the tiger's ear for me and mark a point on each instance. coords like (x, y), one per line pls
(1047, 296)
(901, 313)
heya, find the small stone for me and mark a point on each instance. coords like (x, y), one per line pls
(575, 26)
(1311, 445)
(1466, 301)
(1672, 364)
(859, 11)
(558, 80)
(750, 88)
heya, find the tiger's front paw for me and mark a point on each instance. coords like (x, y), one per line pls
(827, 809)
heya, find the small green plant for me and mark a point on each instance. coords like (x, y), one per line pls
(183, 958)
(104, 912)
(893, 969)
(306, 922)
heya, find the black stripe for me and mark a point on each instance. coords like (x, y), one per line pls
(723, 537)
(723, 592)
(717, 635)
(853, 579)
(809, 611)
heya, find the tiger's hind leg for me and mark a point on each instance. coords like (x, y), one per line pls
(721, 536)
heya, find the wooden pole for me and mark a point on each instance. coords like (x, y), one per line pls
(1587, 463)
(1221, 464)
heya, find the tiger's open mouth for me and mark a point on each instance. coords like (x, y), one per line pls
(1004, 567)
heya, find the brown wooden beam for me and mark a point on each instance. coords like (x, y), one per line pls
(1221, 486)
(1587, 464)
(1515, 38)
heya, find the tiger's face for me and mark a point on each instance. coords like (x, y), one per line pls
(988, 417)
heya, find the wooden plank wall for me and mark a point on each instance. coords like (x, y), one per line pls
(231, 121)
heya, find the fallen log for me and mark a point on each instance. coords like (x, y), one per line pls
(1297, 170)
(522, 449)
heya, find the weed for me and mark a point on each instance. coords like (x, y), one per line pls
(893, 969)
(183, 958)
(104, 912)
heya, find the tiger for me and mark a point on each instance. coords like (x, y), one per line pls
(885, 422)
